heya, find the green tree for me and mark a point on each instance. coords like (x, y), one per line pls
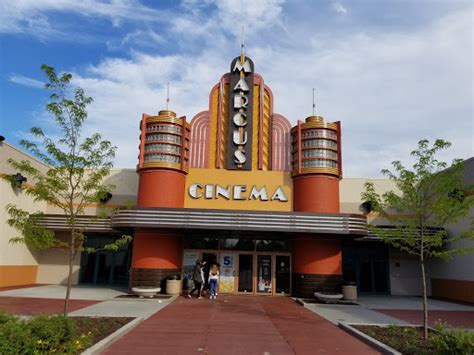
(429, 197)
(74, 180)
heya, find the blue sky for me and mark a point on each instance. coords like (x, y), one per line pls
(392, 71)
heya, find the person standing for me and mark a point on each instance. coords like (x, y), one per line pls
(198, 278)
(213, 280)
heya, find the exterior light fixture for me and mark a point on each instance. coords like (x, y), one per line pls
(105, 197)
(17, 180)
(366, 207)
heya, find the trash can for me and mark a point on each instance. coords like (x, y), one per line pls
(349, 291)
(173, 285)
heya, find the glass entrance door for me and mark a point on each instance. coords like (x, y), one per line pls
(245, 273)
(264, 274)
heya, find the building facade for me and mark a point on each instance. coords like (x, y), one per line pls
(238, 185)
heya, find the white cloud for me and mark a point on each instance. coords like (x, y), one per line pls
(339, 7)
(389, 89)
(33, 16)
(25, 81)
(144, 39)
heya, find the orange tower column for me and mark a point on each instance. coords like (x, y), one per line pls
(162, 169)
(316, 171)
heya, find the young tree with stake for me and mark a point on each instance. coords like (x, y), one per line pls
(75, 179)
(430, 197)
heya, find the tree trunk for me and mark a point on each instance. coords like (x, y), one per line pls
(425, 300)
(69, 275)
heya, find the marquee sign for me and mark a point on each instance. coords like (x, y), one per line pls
(236, 192)
(240, 114)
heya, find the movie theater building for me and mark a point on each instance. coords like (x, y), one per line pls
(237, 184)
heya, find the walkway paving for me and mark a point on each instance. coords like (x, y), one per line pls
(410, 309)
(237, 325)
(454, 318)
(59, 292)
(85, 301)
(28, 306)
(396, 310)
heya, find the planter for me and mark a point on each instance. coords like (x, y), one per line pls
(173, 287)
(328, 297)
(149, 292)
(349, 292)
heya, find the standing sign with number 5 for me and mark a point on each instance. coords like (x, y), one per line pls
(226, 283)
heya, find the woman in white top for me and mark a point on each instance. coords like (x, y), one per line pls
(213, 279)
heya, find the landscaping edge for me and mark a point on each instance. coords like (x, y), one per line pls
(101, 345)
(385, 349)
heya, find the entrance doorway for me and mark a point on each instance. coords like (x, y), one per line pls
(366, 264)
(105, 267)
(247, 273)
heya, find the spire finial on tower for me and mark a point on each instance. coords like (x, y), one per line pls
(314, 105)
(242, 45)
(167, 95)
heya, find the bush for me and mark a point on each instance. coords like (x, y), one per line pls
(40, 335)
(4, 317)
(15, 337)
(448, 340)
(52, 334)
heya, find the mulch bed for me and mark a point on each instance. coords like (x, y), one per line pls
(407, 340)
(99, 327)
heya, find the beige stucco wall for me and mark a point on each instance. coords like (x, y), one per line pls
(53, 267)
(461, 267)
(124, 192)
(15, 254)
(350, 195)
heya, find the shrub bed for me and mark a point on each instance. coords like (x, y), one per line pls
(54, 334)
(410, 341)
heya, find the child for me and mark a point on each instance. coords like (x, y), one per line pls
(213, 279)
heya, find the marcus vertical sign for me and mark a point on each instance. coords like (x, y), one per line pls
(240, 114)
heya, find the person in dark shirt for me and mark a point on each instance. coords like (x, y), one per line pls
(198, 278)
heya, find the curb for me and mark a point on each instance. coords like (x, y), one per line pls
(101, 345)
(300, 302)
(385, 349)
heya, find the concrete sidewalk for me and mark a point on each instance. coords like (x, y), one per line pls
(352, 314)
(137, 308)
(409, 302)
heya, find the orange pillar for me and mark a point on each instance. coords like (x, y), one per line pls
(316, 152)
(316, 193)
(162, 169)
(157, 254)
(161, 188)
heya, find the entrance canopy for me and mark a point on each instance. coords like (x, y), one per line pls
(187, 218)
(241, 220)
